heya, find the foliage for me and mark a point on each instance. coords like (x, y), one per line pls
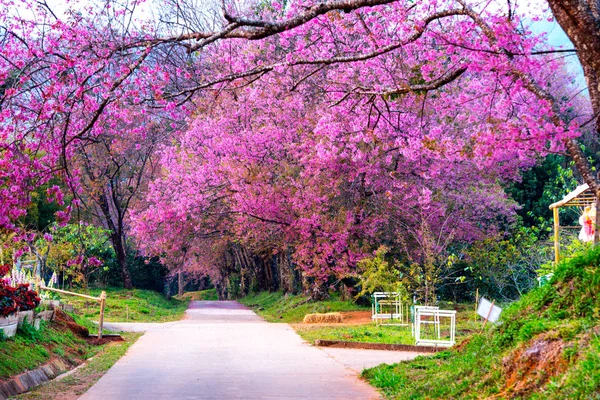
(41, 210)
(504, 267)
(79, 251)
(279, 307)
(378, 275)
(146, 272)
(570, 246)
(545, 183)
(8, 305)
(15, 296)
(25, 298)
(564, 312)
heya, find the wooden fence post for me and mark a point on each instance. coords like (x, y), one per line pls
(101, 323)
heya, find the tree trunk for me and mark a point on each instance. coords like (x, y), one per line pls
(117, 240)
(580, 19)
(180, 283)
(119, 246)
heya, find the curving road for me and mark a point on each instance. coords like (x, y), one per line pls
(222, 350)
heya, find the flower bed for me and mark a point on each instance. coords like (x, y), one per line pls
(15, 299)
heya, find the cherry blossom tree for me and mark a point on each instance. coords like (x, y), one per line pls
(348, 107)
(272, 168)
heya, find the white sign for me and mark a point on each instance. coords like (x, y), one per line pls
(484, 310)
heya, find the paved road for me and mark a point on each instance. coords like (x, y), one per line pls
(222, 350)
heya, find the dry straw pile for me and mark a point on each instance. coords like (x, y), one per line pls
(333, 317)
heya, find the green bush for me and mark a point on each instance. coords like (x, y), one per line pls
(376, 274)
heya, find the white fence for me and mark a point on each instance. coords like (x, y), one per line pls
(388, 307)
(434, 327)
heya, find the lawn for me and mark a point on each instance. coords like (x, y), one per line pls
(277, 307)
(134, 305)
(370, 333)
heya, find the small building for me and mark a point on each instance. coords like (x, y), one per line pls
(582, 196)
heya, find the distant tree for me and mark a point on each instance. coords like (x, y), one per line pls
(113, 172)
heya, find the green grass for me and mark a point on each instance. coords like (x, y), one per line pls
(466, 324)
(514, 359)
(109, 356)
(30, 348)
(208, 294)
(370, 333)
(81, 380)
(124, 305)
(277, 307)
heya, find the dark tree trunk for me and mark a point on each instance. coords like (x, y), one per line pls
(180, 284)
(117, 240)
(119, 246)
(256, 272)
(580, 19)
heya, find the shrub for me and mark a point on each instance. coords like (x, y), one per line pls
(8, 305)
(15, 298)
(25, 298)
(379, 275)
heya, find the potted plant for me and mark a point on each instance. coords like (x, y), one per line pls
(27, 300)
(9, 318)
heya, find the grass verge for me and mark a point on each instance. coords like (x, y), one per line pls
(30, 348)
(547, 347)
(208, 294)
(134, 305)
(74, 385)
(277, 307)
(370, 333)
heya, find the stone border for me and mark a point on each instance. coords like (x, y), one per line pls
(31, 379)
(378, 346)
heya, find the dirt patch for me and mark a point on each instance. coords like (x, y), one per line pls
(105, 339)
(530, 367)
(462, 345)
(357, 317)
(65, 320)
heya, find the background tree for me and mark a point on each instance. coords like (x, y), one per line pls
(113, 172)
